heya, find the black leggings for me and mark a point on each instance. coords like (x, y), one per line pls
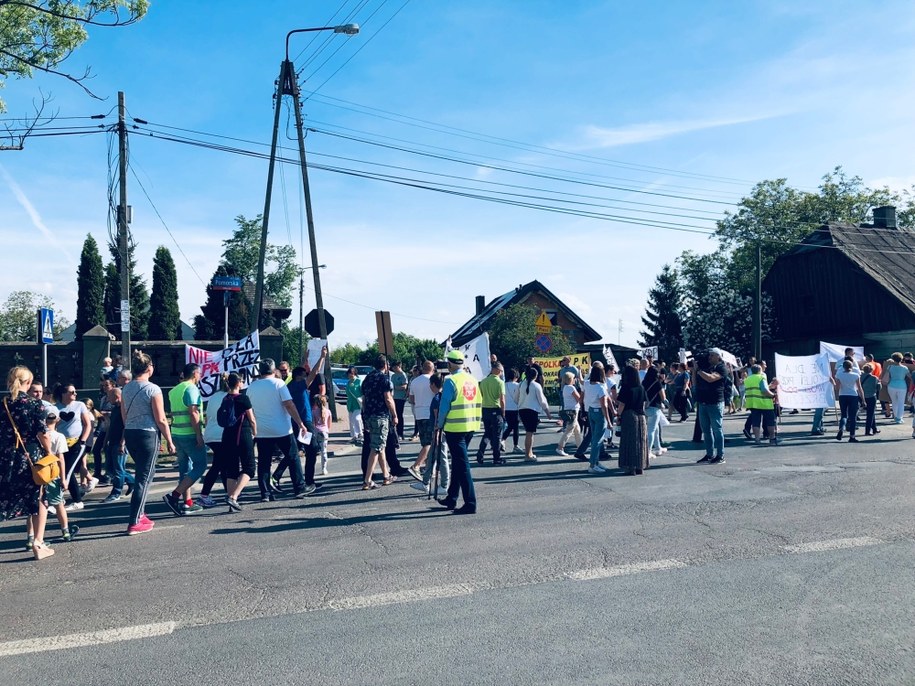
(98, 450)
(511, 426)
(217, 470)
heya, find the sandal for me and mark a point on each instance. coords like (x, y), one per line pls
(369, 486)
(389, 480)
(41, 550)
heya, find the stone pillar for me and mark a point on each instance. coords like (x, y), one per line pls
(96, 344)
(271, 342)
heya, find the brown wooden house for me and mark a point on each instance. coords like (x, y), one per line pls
(536, 295)
(846, 284)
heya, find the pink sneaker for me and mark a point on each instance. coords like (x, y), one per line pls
(145, 524)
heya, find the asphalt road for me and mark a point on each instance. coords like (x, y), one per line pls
(786, 565)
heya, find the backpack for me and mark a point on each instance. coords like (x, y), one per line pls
(225, 415)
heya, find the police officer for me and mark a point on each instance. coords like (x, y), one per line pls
(459, 416)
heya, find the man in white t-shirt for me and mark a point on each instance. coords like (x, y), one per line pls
(421, 398)
(273, 408)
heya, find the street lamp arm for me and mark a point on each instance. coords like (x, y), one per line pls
(348, 29)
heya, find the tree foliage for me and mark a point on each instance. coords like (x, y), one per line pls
(39, 35)
(90, 287)
(512, 334)
(210, 324)
(165, 316)
(241, 253)
(139, 296)
(662, 320)
(408, 350)
(19, 316)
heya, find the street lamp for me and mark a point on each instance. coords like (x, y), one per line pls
(288, 84)
(301, 271)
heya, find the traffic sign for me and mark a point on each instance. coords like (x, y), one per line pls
(544, 343)
(312, 325)
(543, 323)
(226, 283)
(45, 325)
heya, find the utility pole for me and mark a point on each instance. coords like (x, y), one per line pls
(757, 311)
(122, 231)
(619, 333)
(301, 316)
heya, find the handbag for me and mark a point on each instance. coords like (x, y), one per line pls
(44, 469)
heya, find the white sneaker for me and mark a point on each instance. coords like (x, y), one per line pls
(93, 482)
(595, 470)
(561, 452)
(651, 456)
(324, 472)
(518, 449)
(502, 446)
(601, 468)
(419, 486)
(74, 506)
(663, 451)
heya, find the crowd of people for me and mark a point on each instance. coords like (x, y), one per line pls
(283, 413)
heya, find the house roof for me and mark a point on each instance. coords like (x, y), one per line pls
(886, 255)
(480, 322)
(249, 288)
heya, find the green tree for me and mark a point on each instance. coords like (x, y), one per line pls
(778, 217)
(19, 316)
(291, 341)
(241, 252)
(165, 319)
(90, 287)
(210, 325)
(512, 334)
(139, 296)
(348, 353)
(41, 34)
(662, 321)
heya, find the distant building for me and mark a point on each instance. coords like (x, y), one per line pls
(538, 297)
(846, 284)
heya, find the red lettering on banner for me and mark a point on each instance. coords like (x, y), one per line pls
(208, 368)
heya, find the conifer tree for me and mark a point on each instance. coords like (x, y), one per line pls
(90, 287)
(165, 316)
(209, 326)
(662, 320)
(139, 296)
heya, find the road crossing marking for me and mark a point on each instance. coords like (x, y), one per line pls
(90, 638)
(622, 570)
(833, 544)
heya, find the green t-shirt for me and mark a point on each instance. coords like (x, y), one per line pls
(491, 389)
(399, 379)
(353, 394)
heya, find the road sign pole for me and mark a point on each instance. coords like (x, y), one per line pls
(225, 304)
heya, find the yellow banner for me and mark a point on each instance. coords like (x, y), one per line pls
(552, 365)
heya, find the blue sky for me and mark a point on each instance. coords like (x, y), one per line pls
(678, 106)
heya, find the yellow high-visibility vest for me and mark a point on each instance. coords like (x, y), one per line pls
(466, 409)
(755, 400)
(181, 414)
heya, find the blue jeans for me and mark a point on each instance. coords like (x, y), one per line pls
(597, 424)
(712, 429)
(818, 419)
(461, 480)
(654, 429)
(192, 458)
(116, 467)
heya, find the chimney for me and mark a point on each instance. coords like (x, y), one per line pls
(481, 303)
(885, 217)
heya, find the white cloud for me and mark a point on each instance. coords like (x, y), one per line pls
(599, 137)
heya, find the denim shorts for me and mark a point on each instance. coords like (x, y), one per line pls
(54, 493)
(378, 428)
(425, 429)
(192, 458)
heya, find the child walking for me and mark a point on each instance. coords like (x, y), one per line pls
(322, 420)
(54, 492)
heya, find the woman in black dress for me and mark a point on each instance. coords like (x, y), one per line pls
(633, 427)
(23, 438)
(238, 444)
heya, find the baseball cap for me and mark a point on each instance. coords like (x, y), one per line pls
(455, 357)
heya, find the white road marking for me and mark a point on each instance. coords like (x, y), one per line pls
(91, 638)
(833, 544)
(397, 597)
(622, 570)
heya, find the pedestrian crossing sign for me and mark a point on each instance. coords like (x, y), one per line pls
(46, 325)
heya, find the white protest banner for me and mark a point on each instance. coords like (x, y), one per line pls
(241, 358)
(651, 352)
(476, 355)
(804, 382)
(314, 351)
(728, 358)
(836, 352)
(611, 360)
